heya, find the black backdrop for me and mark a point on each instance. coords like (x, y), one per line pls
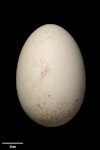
(18, 22)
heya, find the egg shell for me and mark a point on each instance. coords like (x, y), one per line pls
(50, 77)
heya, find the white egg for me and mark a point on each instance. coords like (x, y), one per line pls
(50, 77)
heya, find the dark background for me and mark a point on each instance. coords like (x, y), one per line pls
(17, 23)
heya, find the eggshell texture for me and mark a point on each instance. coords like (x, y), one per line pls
(50, 77)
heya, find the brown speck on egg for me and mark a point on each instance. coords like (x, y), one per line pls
(54, 112)
(77, 100)
(44, 72)
(38, 105)
(49, 95)
(61, 104)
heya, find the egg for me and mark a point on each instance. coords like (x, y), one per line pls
(50, 76)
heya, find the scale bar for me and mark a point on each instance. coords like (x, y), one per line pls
(12, 143)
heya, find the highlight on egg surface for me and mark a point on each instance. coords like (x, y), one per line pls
(50, 76)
